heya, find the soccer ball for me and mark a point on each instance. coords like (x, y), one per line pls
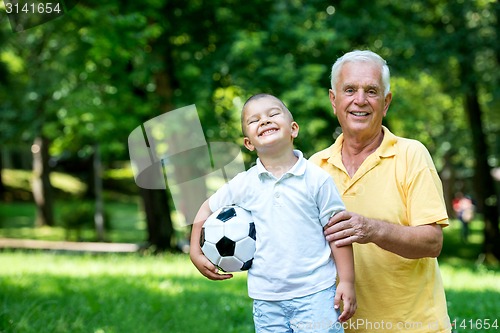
(228, 239)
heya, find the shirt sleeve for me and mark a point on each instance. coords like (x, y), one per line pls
(425, 192)
(231, 193)
(328, 200)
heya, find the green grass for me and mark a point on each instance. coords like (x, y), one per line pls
(20, 184)
(17, 220)
(121, 203)
(472, 292)
(64, 292)
(46, 292)
(61, 292)
(454, 249)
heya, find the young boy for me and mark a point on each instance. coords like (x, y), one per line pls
(293, 277)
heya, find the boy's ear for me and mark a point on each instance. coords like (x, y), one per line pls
(248, 144)
(295, 129)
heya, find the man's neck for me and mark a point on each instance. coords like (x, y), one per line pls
(355, 150)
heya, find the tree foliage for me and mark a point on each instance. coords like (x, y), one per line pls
(102, 69)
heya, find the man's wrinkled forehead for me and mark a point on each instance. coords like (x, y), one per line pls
(360, 74)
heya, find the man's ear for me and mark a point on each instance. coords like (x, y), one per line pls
(248, 144)
(331, 94)
(295, 129)
(387, 100)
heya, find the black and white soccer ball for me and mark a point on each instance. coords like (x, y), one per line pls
(228, 239)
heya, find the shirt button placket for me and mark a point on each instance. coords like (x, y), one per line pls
(277, 195)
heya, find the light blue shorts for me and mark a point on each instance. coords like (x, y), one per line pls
(313, 314)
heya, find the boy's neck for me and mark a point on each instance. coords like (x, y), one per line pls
(278, 163)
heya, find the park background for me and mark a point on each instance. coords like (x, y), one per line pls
(73, 88)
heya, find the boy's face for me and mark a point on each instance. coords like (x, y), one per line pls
(268, 124)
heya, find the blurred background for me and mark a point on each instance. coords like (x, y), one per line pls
(73, 87)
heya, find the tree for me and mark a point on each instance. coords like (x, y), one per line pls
(112, 93)
(466, 35)
(31, 52)
(181, 61)
(455, 42)
(103, 69)
(484, 183)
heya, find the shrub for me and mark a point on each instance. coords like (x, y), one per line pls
(79, 216)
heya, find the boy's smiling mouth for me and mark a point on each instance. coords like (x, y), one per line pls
(268, 131)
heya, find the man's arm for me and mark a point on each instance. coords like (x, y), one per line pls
(412, 242)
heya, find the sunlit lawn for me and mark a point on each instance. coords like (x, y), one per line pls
(107, 293)
(127, 220)
(62, 292)
(65, 292)
(47, 292)
(17, 220)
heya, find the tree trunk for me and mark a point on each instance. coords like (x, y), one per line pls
(99, 205)
(447, 175)
(42, 189)
(159, 223)
(156, 204)
(2, 185)
(483, 181)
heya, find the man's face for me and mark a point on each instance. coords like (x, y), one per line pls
(358, 99)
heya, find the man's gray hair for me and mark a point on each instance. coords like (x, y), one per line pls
(362, 56)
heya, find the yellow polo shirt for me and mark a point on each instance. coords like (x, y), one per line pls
(398, 183)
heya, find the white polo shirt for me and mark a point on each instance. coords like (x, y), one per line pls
(292, 257)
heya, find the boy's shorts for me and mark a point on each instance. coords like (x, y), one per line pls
(313, 313)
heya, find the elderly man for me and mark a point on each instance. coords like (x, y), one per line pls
(395, 209)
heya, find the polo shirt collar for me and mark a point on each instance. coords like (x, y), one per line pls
(298, 169)
(386, 148)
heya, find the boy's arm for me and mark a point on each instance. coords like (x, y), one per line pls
(344, 261)
(330, 204)
(197, 257)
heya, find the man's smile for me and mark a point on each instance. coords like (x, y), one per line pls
(359, 113)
